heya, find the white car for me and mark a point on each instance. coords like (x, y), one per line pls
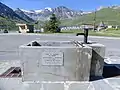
(37, 31)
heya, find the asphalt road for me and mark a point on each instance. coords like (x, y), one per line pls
(9, 44)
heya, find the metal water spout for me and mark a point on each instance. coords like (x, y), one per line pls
(85, 34)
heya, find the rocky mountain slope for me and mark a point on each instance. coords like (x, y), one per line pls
(8, 13)
(61, 12)
(24, 16)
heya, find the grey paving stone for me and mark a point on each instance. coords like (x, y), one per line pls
(53, 86)
(114, 82)
(80, 86)
(101, 85)
(17, 84)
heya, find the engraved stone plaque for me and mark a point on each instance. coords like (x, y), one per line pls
(52, 58)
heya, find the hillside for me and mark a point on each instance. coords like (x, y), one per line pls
(7, 24)
(9, 18)
(7, 12)
(108, 15)
(24, 16)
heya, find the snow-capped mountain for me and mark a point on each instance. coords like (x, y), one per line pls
(48, 8)
(61, 12)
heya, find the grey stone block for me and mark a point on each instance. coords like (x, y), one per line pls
(97, 62)
(17, 84)
(114, 83)
(101, 85)
(45, 86)
(73, 63)
(53, 86)
(81, 86)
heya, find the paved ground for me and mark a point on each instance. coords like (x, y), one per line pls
(17, 84)
(9, 44)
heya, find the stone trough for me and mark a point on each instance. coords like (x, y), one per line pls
(56, 61)
(61, 61)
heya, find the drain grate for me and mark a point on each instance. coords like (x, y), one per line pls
(12, 72)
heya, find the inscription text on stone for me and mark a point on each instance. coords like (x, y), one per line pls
(52, 58)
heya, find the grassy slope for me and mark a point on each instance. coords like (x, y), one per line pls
(11, 23)
(111, 33)
(8, 23)
(108, 15)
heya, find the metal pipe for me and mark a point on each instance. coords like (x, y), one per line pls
(85, 34)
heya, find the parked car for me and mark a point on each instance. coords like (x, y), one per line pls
(0, 31)
(58, 30)
(19, 31)
(37, 31)
(5, 31)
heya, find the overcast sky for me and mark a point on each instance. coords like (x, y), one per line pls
(86, 5)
